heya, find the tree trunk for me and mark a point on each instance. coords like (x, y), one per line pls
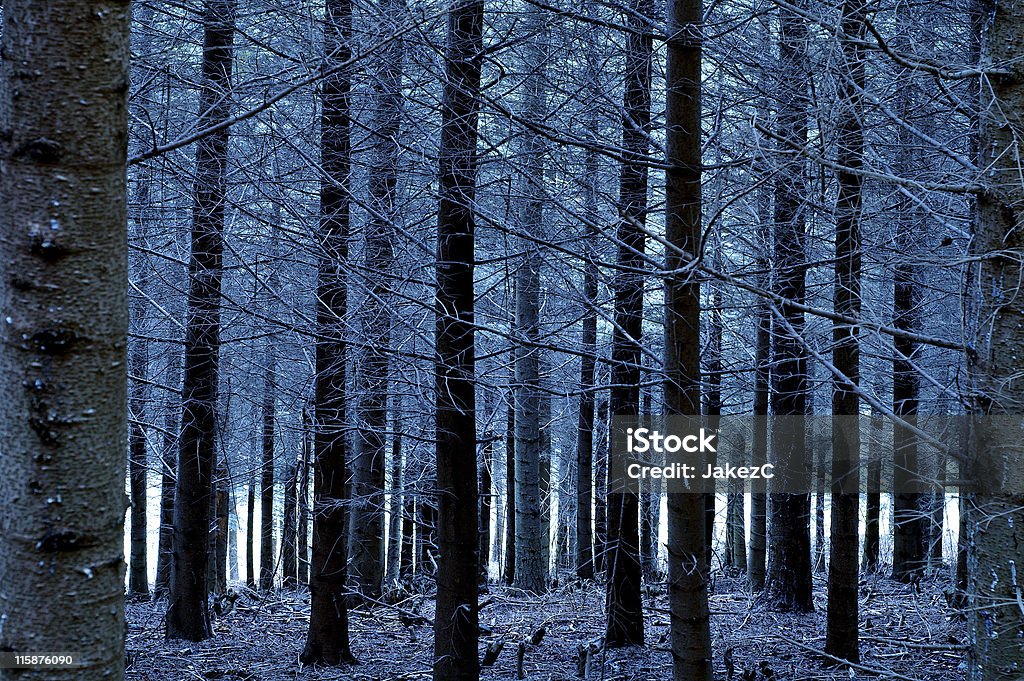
(250, 532)
(302, 542)
(396, 539)
(872, 554)
(788, 582)
(486, 464)
(624, 607)
(510, 496)
(232, 535)
(842, 635)
(601, 488)
(220, 544)
(268, 559)
(455, 615)
(63, 240)
(327, 640)
(996, 511)
(289, 575)
(168, 468)
(138, 362)
(188, 615)
(687, 563)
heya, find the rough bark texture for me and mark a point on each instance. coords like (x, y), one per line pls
(842, 634)
(788, 582)
(187, 612)
(63, 282)
(624, 605)
(455, 616)
(687, 563)
(327, 641)
(996, 516)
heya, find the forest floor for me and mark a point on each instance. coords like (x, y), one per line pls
(905, 635)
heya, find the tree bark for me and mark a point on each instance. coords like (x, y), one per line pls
(688, 572)
(327, 641)
(63, 412)
(788, 582)
(842, 632)
(623, 603)
(872, 562)
(187, 614)
(996, 510)
(168, 468)
(455, 615)
(138, 362)
(509, 575)
(289, 573)
(250, 532)
(302, 541)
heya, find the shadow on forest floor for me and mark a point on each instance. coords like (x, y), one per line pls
(909, 635)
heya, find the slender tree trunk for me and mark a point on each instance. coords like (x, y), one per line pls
(510, 497)
(713, 402)
(367, 548)
(531, 565)
(250, 532)
(585, 428)
(788, 582)
(455, 615)
(601, 488)
(687, 563)
(289, 574)
(327, 641)
(842, 633)
(63, 365)
(736, 531)
(486, 464)
(187, 614)
(624, 607)
(268, 559)
(302, 542)
(996, 511)
(232, 536)
(396, 539)
(220, 543)
(168, 467)
(138, 362)
(872, 547)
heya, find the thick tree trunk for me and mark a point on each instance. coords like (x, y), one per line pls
(996, 511)
(687, 563)
(842, 633)
(63, 376)
(455, 615)
(624, 607)
(327, 641)
(187, 614)
(788, 582)
(268, 559)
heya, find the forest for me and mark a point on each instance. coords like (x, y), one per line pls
(512, 339)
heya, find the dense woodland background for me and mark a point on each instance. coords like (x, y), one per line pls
(392, 268)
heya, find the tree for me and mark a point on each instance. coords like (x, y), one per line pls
(688, 566)
(625, 625)
(842, 634)
(455, 614)
(187, 612)
(327, 640)
(788, 582)
(63, 240)
(138, 363)
(996, 514)
(168, 467)
(531, 563)
(455, 619)
(269, 412)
